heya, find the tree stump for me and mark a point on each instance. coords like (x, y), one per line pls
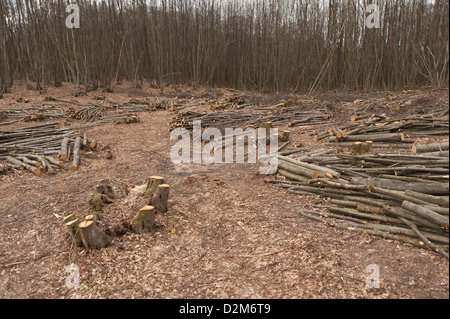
(71, 223)
(160, 198)
(144, 220)
(108, 191)
(284, 136)
(69, 218)
(101, 196)
(92, 236)
(96, 200)
(92, 217)
(129, 119)
(267, 126)
(152, 185)
(361, 148)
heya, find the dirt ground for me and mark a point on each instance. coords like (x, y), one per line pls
(228, 234)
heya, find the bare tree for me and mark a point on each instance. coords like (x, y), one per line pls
(265, 45)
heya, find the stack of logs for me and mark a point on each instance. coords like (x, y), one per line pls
(54, 108)
(293, 116)
(232, 102)
(247, 138)
(86, 114)
(192, 102)
(31, 148)
(142, 105)
(128, 119)
(385, 132)
(34, 112)
(396, 196)
(90, 231)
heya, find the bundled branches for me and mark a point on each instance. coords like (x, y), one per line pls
(141, 105)
(31, 148)
(293, 116)
(54, 108)
(397, 196)
(42, 139)
(34, 112)
(384, 131)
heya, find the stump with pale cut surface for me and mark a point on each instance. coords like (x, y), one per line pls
(92, 236)
(144, 220)
(102, 195)
(160, 198)
(152, 185)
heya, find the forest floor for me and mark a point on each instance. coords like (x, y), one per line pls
(228, 234)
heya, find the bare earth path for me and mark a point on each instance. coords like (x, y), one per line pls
(227, 235)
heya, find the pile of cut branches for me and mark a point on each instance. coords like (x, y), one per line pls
(293, 116)
(383, 131)
(396, 196)
(31, 148)
(54, 108)
(142, 105)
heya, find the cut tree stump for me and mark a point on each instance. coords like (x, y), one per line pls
(71, 221)
(69, 218)
(152, 185)
(144, 220)
(129, 120)
(267, 126)
(361, 147)
(101, 196)
(96, 200)
(74, 232)
(92, 236)
(284, 136)
(108, 191)
(160, 198)
(92, 217)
